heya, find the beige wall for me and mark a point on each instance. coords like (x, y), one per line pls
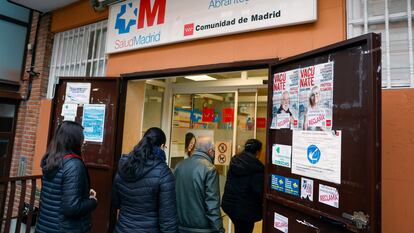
(133, 115)
(397, 161)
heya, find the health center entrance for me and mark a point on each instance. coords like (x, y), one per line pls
(230, 107)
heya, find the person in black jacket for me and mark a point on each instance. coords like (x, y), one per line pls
(66, 200)
(243, 193)
(144, 188)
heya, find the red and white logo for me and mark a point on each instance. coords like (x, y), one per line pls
(189, 29)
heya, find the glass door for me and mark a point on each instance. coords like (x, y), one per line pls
(202, 114)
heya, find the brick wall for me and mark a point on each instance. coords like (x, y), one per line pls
(28, 115)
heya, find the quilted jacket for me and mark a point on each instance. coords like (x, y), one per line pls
(65, 205)
(146, 199)
(243, 193)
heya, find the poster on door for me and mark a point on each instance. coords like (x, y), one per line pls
(285, 106)
(317, 154)
(77, 93)
(223, 153)
(316, 97)
(93, 122)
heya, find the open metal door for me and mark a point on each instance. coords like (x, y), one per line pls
(101, 150)
(329, 181)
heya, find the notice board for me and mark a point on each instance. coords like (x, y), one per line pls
(324, 140)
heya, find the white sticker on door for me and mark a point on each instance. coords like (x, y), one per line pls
(281, 155)
(328, 195)
(306, 191)
(281, 223)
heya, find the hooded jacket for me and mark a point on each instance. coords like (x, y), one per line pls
(243, 193)
(198, 194)
(65, 205)
(146, 198)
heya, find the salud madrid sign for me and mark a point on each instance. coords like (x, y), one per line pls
(137, 24)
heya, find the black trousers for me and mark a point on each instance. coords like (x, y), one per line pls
(242, 226)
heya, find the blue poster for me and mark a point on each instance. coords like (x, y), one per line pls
(93, 122)
(292, 186)
(285, 185)
(278, 183)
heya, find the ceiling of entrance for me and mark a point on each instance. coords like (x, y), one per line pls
(262, 73)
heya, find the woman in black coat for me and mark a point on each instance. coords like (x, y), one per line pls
(243, 193)
(66, 200)
(144, 188)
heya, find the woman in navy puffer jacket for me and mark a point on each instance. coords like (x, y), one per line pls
(66, 200)
(144, 188)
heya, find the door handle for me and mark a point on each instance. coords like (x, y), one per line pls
(359, 219)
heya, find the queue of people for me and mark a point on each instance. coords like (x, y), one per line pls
(149, 197)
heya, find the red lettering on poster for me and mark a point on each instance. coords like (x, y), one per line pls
(261, 122)
(228, 115)
(148, 13)
(208, 115)
(307, 76)
(279, 82)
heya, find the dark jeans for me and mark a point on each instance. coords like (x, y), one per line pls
(242, 226)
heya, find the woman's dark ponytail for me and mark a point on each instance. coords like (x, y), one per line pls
(144, 150)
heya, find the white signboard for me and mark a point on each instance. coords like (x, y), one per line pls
(223, 153)
(328, 195)
(317, 154)
(77, 93)
(137, 24)
(281, 223)
(281, 155)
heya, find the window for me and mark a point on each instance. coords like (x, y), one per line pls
(393, 19)
(78, 52)
(14, 24)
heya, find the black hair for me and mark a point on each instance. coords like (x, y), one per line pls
(188, 137)
(68, 139)
(144, 150)
(253, 146)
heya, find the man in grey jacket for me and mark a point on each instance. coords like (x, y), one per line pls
(197, 191)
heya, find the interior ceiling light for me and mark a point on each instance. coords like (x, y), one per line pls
(200, 78)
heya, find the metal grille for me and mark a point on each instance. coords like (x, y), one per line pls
(78, 52)
(393, 19)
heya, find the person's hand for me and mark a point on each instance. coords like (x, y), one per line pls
(92, 194)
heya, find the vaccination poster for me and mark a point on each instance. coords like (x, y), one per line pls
(93, 122)
(285, 109)
(316, 97)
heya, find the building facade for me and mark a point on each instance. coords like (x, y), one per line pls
(71, 43)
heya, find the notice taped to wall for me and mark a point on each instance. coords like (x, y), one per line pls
(69, 112)
(285, 106)
(316, 97)
(317, 154)
(223, 153)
